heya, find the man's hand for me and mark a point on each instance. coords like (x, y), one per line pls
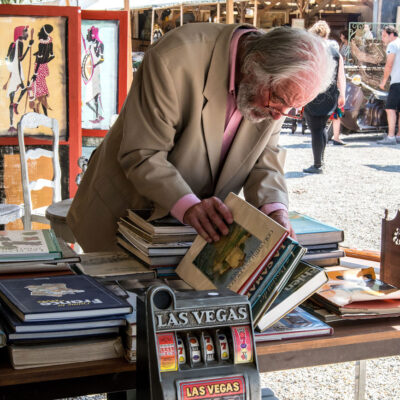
(210, 218)
(382, 85)
(282, 217)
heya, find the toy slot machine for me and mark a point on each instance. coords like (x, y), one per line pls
(195, 345)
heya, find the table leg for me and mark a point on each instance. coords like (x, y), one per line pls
(360, 372)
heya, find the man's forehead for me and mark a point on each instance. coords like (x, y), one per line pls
(295, 96)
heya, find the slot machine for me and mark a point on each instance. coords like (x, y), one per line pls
(195, 345)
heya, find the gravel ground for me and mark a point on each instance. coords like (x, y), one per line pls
(360, 180)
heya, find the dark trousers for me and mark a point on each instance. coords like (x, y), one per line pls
(319, 137)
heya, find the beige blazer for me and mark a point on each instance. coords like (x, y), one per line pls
(166, 143)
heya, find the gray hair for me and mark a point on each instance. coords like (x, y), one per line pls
(289, 57)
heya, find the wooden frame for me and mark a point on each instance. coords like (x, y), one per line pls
(122, 17)
(73, 87)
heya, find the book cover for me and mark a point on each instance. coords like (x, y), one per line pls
(253, 238)
(113, 265)
(295, 324)
(353, 288)
(21, 245)
(68, 352)
(304, 281)
(166, 225)
(275, 284)
(16, 325)
(311, 231)
(64, 297)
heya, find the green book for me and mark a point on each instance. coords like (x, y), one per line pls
(276, 284)
(310, 231)
(29, 245)
(304, 281)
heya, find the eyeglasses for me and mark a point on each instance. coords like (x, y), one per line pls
(275, 110)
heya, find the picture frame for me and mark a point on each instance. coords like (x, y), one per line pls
(102, 99)
(51, 32)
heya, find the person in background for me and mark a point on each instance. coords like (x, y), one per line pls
(318, 111)
(392, 70)
(202, 119)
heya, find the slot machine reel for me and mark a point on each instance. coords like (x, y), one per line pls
(195, 345)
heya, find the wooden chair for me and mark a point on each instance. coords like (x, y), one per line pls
(33, 120)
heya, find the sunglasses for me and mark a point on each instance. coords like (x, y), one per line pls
(275, 110)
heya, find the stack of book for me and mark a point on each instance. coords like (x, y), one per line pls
(356, 293)
(257, 258)
(160, 244)
(129, 333)
(321, 240)
(61, 319)
(26, 253)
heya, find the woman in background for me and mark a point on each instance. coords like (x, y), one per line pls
(318, 111)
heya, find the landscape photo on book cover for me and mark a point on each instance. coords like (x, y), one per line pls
(221, 261)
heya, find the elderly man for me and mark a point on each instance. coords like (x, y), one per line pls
(202, 119)
(392, 69)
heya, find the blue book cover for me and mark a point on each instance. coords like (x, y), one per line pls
(60, 297)
(311, 231)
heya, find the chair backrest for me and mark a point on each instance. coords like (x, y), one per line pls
(32, 121)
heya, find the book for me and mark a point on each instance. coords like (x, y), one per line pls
(166, 225)
(113, 265)
(64, 297)
(305, 280)
(153, 249)
(155, 260)
(275, 284)
(35, 337)
(16, 325)
(28, 245)
(296, 324)
(253, 239)
(316, 255)
(358, 291)
(157, 238)
(311, 231)
(84, 350)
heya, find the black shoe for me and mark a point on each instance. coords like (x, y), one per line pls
(338, 143)
(313, 170)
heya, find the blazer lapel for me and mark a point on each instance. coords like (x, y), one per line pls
(215, 94)
(247, 140)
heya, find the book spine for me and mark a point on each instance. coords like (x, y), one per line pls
(276, 285)
(269, 271)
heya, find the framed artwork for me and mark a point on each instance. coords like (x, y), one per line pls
(40, 72)
(104, 68)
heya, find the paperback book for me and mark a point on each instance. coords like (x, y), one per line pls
(253, 239)
(63, 297)
(305, 280)
(29, 245)
(295, 324)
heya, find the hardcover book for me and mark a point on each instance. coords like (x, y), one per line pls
(83, 350)
(166, 225)
(64, 297)
(113, 265)
(28, 245)
(310, 231)
(295, 324)
(253, 239)
(305, 280)
(16, 325)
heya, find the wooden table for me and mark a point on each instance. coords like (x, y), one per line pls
(358, 340)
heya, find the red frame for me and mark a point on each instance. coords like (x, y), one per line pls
(123, 37)
(74, 141)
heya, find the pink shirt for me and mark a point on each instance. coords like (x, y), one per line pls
(233, 118)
